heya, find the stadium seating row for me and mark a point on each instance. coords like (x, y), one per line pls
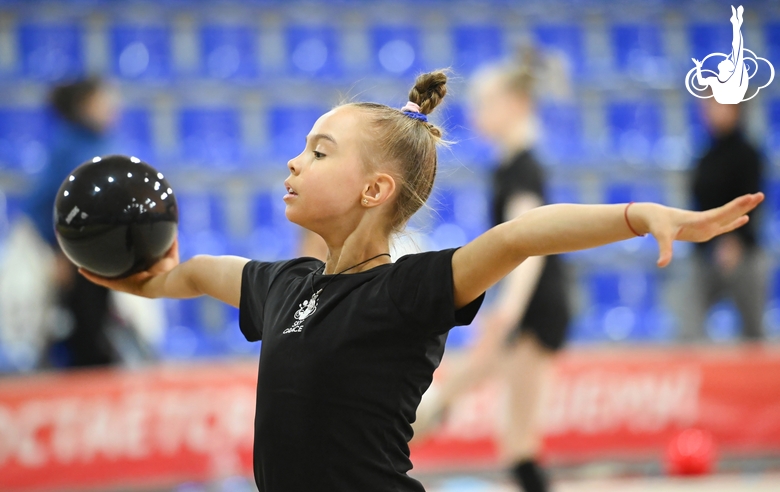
(52, 51)
(217, 138)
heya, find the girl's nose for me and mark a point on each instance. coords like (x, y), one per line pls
(292, 166)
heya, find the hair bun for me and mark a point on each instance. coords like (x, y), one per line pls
(429, 90)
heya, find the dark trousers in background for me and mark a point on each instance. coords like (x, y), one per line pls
(88, 343)
(746, 286)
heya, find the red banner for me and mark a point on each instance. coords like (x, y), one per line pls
(628, 403)
(164, 425)
(153, 427)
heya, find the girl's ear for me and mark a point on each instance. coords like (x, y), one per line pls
(379, 190)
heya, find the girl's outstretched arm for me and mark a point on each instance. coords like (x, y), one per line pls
(215, 276)
(561, 228)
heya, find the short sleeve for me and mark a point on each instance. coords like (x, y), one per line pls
(256, 280)
(421, 288)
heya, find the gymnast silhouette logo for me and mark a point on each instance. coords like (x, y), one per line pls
(305, 309)
(730, 84)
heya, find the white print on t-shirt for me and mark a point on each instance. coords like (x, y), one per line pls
(305, 309)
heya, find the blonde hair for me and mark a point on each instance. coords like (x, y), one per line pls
(407, 144)
(519, 77)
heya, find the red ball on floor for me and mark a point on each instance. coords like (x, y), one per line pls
(691, 452)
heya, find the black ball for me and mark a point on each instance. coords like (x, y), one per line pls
(115, 216)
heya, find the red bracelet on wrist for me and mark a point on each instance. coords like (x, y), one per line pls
(625, 214)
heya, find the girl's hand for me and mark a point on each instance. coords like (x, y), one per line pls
(668, 224)
(138, 283)
(696, 62)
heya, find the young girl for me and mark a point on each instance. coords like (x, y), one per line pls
(526, 326)
(350, 345)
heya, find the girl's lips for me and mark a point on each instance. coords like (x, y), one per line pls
(290, 193)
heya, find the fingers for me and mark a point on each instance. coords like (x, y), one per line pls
(95, 279)
(127, 284)
(737, 207)
(91, 276)
(664, 249)
(736, 224)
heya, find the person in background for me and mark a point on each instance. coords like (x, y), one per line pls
(85, 112)
(732, 266)
(527, 324)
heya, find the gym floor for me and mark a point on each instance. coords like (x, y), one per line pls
(713, 483)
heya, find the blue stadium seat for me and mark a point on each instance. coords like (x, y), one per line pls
(563, 193)
(474, 45)
(134, 134)
(586, 328)
(771, 213)
(697, 129)
(634, 288)
(442, 201)
(562, 140)
(634, 44)
(24, 135)
(268, 208)
(774, 288)
(233, 340)
(443, 228)
(273, 243)
(773, 130)
(313, 51)
(211, 136)
(772, 313)
(273, 236)
(202, 224)
(705, 39)
(229, 51)
(567, 39)
(396, 50)
(466, 207)
(180, 342)
(197, 328)
(634, 191)
(468, 148)
(472, 210)
(624, 306)
(289, 126)
(658, 324)
(772, 41)
(723, 322)
(51, 51)
(141, 51)
(635, 128)
(200, 211)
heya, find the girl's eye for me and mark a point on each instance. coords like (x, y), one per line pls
(318, 155)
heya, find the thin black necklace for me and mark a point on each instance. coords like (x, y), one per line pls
(316, 294)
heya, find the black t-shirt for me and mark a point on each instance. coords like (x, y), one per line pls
(548, 310)
(731, 167)
(341, 376)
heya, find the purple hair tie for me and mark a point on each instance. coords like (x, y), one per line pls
(412, 110)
